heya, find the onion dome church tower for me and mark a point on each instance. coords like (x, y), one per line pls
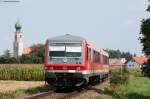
(18, 43)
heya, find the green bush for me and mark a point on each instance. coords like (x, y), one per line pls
(118, 77)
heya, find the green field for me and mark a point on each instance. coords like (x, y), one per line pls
(135, 86)
(25, 72)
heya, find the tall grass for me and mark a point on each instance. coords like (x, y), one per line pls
(137, 88)
(135, 71)
(118, 76)
(26, 72)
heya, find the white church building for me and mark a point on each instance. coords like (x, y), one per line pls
(18, 49)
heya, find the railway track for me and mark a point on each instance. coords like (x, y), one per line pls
(61, 95)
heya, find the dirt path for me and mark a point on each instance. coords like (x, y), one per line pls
(15, 85)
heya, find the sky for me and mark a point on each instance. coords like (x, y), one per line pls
(109, 24)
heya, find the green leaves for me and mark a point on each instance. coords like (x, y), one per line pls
(25, 72)
(36, 55)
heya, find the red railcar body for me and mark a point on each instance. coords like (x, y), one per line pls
(73, 61)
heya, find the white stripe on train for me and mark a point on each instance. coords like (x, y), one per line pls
(77, 71)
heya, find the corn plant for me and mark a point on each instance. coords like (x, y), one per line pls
(27, 72)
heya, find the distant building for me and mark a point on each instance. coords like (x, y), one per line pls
(136, 62)
(18, 49)
(115, 62)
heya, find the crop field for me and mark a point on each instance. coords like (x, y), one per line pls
(129, 83)
(24, 72)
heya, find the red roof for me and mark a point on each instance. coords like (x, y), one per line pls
(26, 50)
(140, 59)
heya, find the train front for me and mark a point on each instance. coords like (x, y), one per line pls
(64, 61)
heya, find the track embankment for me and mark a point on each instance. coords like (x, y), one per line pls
(85, 93)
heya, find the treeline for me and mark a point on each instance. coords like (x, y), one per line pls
(36, 56)
(118, 54)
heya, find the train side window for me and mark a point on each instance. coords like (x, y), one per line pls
(89, 54)
(100, 58)
(96, 57)
(104, 59)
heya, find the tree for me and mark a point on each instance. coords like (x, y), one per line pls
(6, 58)
(145, 41)
(7, 54)
(36, 55)
(119, 54)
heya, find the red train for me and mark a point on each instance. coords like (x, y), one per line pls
(73, 61)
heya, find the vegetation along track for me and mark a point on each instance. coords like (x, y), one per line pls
(63, 94)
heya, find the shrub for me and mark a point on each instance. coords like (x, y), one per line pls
(118, 77)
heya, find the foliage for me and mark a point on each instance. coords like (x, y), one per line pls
(134, 72)
(104, 97)
(145, 41)
(36, 56)
(119, 54)
(145, 36)
(27, 72)
(146, 69)
(118, 76)
(6, 58)
(18, 94)
(7, 54)
(137, 88)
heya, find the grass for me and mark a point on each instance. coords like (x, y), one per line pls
(135, 71)
(137, 88)
(26, 72)
(19, 94)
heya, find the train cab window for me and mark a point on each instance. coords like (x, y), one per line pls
(73, 51)
(65, 50)
(57, 51)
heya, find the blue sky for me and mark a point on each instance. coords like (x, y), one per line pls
(113, 24)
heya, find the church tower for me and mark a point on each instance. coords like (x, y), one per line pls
(18, 43)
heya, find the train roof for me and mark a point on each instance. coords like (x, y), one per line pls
(104, 52)
(66, 38)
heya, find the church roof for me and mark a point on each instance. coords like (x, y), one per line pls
(26, 51)
(18, 25)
